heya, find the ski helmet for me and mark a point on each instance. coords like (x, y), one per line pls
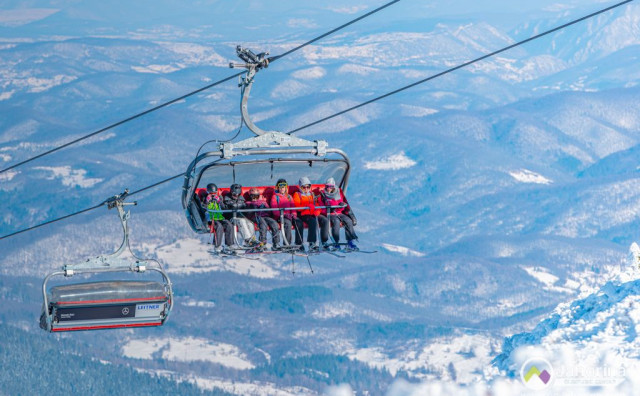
(235, 189)
(212, 188)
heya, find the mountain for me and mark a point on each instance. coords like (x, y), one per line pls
(493, 195)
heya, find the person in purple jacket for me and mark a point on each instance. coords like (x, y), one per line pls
(340, 214)
(263, 219)
(282, 199)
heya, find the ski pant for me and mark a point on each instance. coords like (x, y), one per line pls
(264, 225)
(286, 227)
(349, 232)
(245, 229)
(312, 228)
(324, 224)
(218, 228)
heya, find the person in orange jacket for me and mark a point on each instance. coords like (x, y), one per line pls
(305, 198)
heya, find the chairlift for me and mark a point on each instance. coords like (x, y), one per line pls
(108, 304)
(261, 160)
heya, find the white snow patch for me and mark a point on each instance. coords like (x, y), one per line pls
(157, 69)
(6, 95)
(289, 90)
(330, 311)
(8, 175)
(458, 356)
(357, 69)
(527, 176)
(190, 256)
(248, 388)
(416, 111)
(70, 177)
(310, 73)
(199, 304)
(405, 251)
(394, 162)
(42, 84)
(195, 54)
(188, 349)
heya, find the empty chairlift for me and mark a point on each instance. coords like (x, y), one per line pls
(108, 304)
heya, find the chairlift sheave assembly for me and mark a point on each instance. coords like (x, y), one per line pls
(115, 303)
(261, 160)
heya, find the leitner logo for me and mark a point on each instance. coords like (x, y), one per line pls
(536, 374)
(148, 307)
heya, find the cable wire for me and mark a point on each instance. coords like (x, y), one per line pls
(273, 59)
(350, 109)
(460, 66)
(53, 150)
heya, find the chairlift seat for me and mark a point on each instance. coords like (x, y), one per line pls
(107, 304)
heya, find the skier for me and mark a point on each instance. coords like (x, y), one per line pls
(235, 201)
(282, 199)
(342, 213)
(263, 219)
(305, 198)
(217, 223)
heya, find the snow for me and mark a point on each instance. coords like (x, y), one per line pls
(8, 175)
(188, 349)
(70, 177)
(311, 73)
(527, 176)
(391, 163)
(157, 69)
(417, 111)
(528, 197)
(357, 69)
(403, 250)
(192, 256)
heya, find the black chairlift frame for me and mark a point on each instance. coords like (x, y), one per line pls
(267, 149)
(108, 304)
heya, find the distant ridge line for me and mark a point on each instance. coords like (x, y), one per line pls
(53, 150)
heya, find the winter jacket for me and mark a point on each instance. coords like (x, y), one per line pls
(214, 202)
(259, 203)
(337, 199)
(309, 200)
(231, 203)
(283, 201)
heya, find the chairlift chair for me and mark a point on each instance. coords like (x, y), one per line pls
(261, 160)
(108, 304)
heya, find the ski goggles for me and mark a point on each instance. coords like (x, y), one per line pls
(280, 185)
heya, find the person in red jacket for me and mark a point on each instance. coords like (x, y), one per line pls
(332, 196)
(282, 199)
(305, 198)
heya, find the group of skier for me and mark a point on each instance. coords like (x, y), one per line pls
(327, 210)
